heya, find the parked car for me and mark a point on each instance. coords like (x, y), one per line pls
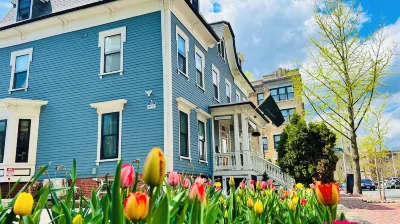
(390, 184)
(397, 184)
(367, 184)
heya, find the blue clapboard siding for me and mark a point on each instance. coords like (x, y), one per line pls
(65, 71)
(187, 88)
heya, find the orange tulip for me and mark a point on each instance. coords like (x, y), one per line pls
(198, 191)
(327, 194)
(154, 168)
(136, 206)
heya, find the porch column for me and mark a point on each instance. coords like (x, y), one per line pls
(245, 141)
(237, 143)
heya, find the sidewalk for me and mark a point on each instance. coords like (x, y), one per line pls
(356, 210)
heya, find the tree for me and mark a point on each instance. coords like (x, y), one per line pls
(306, 151)
(343, 71)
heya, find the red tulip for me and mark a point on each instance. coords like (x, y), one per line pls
(327, 194)
(303, 201)
(127, 175)
(136, 206)
(252, 182)
(174, 178)
(263, 185)
(269, 182)
(242, 185)
(198, 191)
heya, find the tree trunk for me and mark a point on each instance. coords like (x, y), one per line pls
(383, 181)
(356, 160)
(379, 179)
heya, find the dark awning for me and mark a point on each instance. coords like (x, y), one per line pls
(270, 109)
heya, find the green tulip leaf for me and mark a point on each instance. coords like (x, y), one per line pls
(161, 214)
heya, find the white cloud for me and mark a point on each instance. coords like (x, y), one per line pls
(6, 5)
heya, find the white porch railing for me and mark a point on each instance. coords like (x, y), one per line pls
(238, 161)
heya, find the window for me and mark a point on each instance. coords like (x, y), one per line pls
(183, 134)
(109, 129)
(20, 67)
(215, 74)
(199, 58)
(111, 43)
(109, 136)
(202, 140)
(221, 49)
(24, 10)
(24, 130)
(195, 4)
(260, 98)
(228, 91)
(3, 129)
(182, 51)
(265, 143)
(282, 93)
(288, 113)
(237, 96)
(277, 138)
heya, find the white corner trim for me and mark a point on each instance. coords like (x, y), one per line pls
(203, 66)
(109, 106)
(13, 59)
(184, 105)
(202, 115)
(186, 38)
(102, 36)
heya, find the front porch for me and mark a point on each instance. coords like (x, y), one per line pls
(237, 144)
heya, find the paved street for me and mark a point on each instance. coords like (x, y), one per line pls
(391, 194)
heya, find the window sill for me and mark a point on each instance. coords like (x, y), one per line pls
(184, 74)
(203, 161)
(107, 160)
(120, 72)
(202, 88)
(285, 100)
(216, 99)
(14, 90)
(185, 158)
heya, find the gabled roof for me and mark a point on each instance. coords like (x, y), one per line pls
(219, 29)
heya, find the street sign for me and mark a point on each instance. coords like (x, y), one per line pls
(10, 172)
(338, 150)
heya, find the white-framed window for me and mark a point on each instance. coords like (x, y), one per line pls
(221, 49)
(109, 130)
(182, 51)
(228, 91)
(184, 108)
(20, 67)
(244, 99)
(260, 98)
(24, 10)
(202, 118)
(237, 96)
(215, 76)
(200, 64)
(111, 43)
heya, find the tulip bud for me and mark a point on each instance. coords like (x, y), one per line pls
(127, 174)
(136, 206)
(250, 203)
(199, 180)
(303, 201)
(226, 214)
(309, 191)
(242, 185)
(258, 185)
(217, 186)
(269, 182)
(240, 192)
(258, 207)
(154, 168)
(186, 183)
(232, 182)
(293, 203)
(24, 204)
(198, 191)
(174, 178)
(311, 186)
(327, 194)
(210, 183)
(77, 219)
(238, 199)
(263, 185)
(299, 186)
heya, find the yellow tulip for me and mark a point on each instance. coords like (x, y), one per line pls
(136, 206)
(77, 219)
(154, 168)
(226, 214)
(250, 203)
(231, 182)
(258, 185)
(299, 186)
(293, 194)
(258, 207)
(309, 191)
(240, 192)
(327, 194)
(24, 204)
(293, 203)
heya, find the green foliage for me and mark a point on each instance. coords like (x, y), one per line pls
(306, 151)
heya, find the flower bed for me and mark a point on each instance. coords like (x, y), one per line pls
(175, 199)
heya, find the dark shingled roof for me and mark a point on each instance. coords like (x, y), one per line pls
(219, 29)
(52, 6)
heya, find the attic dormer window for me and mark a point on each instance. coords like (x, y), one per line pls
(195, 4)
(221, 49)
(24, 10)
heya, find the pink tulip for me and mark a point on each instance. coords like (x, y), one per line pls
(127, 174)
(210, 183)
(186, 183)
(312, 186)
(174, 178)
(269, 182)
(242, 185)
(199, 180)
(198, 191)
(263, 185)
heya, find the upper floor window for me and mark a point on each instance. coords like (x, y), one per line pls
(215, 74)
(182, 51)
(184, 134)
(202, 140)
(24, 131)
(228, 91)
(24, 10)
(20, 66)
(260, 98)
(3, 130)
(287, 113)
(237, 96)
(199, 57)
(111, 43)
(282, 93)
(265, 143)
(195, 4)
(277, 138)
(221, 49)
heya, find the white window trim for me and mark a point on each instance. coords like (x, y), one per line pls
(222, 55)
(102, 36)
(13, 59)
(214, 68)
(203, 117)
(238, 94)
(16, 11)
(230, 91)
(201, 54)
(105, 108)
(186, 107)
(186, 38)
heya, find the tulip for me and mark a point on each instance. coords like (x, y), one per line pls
(286, 193)
(327, 194)
(292, 194)
(318, 182)
(342, 222)
(240, 192)
(252, 182)
(77, 219)
(293, 203)
(258, 185)
(136, 206)
(282, 198)
(311, 186)
(250, 203)
(222, 200)
(263, 185)
(269, 182)
(217, 186)
(174, 178)
(303, 201)
(309, 191)
(127, 175)
(198, 191)
(299, 186)
(242, 185)
(258, 207)
(231, 182)
(210, 183)
(154, 168)
(186, 183)
(24, 204)
(199, 180)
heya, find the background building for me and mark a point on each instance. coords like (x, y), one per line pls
(280, 86)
